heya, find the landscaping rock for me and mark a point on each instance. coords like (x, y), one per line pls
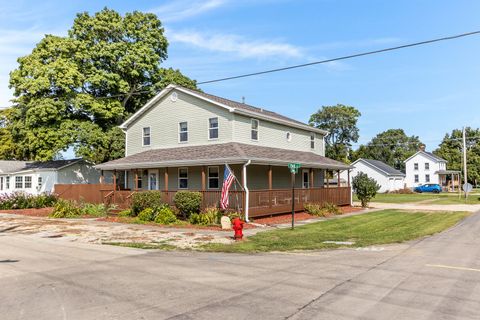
(226, 223)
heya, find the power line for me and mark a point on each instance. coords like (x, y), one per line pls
(356, 55)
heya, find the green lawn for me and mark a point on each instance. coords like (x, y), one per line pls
(381, 227)
(443, 198)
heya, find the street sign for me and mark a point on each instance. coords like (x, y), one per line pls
(293, 167)
(467, 187)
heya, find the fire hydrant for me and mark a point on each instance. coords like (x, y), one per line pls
(237, 225)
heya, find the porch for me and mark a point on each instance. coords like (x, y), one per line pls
(450, 180)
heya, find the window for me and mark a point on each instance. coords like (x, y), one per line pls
(289, 136)
(153, 180)
(213, 128)
(427, 178)
(254, 132)
(28, 182)
(312, 140)
(182, 178)
(213, 177)
(305, 179)
(416, 178)
(39, 183)
(139, 180)
(427, 166)
(183, 131)
(19, 182)
(7, 183)
(1, 183)
(146, 136)
(415, 166)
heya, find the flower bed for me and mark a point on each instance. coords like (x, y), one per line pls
(41, 212)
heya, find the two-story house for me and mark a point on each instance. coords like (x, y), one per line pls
(427, 168)
(182, 139)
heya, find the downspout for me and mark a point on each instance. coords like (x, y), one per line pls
(247, 193)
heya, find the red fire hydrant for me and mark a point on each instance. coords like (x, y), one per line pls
(237, 225)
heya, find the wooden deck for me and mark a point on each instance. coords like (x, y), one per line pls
(261, 202)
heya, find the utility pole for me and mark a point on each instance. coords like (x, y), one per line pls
(464, 163)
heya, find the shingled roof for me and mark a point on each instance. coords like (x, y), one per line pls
(18, 166)
(231, 153)
(390, 171)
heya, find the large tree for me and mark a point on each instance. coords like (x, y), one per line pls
(450, 149)
(74, 91)
(392, 147)
(341, 122)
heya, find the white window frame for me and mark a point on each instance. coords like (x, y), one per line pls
(7, 183)
(427, 178)
(312, 140)
(211, 178)
(157, 176)
(180, 178)
(180, 132)
(149, 136)
(415, 166)
(1, 183)
(39, 183)
(288, 136)
(303, 178)
(427, 165)
(214, 128)
(416, 178)
(252, 120)
(25, 182)
(19, 180)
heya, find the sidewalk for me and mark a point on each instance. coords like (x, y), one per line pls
(424, 206)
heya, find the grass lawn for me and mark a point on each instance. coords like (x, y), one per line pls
(386, 226)
(442, 198)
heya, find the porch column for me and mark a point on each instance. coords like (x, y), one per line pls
(348, 178)
(166, 179)
(338, 178)
(270, 180)
(115, 180)
(136, 180)
(203, 178)
(311, 179)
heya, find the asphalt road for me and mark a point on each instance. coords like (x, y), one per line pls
(433, 278)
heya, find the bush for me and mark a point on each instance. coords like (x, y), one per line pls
(22, 200)
(325, 210)
(144, 200)
(66, 209)
(125, 213)
(95, 210)
(165, 215)
(188, 202)
(365, 187)
(331, 208)
(147, 214)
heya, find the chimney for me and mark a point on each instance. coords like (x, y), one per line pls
(421, 148)
(243, 100)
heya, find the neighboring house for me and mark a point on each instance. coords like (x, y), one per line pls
(37, 177)
(387, 177)
(425, 167)
(182, 139)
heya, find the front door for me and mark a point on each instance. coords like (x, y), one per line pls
(305, 179)
(152, 179)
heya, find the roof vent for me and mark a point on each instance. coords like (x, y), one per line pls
(243, 100)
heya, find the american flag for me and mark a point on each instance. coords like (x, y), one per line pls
(228, 179)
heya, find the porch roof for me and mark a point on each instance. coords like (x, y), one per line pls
(448, 172)
(231, 153)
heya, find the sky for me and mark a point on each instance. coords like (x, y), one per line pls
(427, 91)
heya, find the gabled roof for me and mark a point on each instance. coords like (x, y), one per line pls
(19, 166)
(381, 167)
(230, 105)
(428, 155)
(231, 153)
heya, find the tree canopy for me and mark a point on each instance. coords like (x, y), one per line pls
(74, 91)
(341, 122)
(392, 146)
(450, 149)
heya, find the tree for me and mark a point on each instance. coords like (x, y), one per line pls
(76, 90)
(341, 122)
(392, 147)
(365, 188)
(450, 149)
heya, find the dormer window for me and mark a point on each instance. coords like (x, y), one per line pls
(146, 136)
(213, 128)
(312, 140)
(183, 132)
(254, 130)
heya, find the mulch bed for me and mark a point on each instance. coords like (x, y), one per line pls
(41, 212)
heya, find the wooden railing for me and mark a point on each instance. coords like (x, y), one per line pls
(91, 193)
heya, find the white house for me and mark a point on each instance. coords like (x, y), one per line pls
(387, 177)
(425, 167)
(37, 177)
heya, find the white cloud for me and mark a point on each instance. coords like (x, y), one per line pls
(183, 9)
(236, 45)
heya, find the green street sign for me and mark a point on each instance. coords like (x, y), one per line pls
(293, 167)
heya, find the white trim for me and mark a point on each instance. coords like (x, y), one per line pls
(368, 164)
(157, 176)
(426, 155)
(179, 132)
(208, 177)
(178, 178)
(218, 128)
(149, 136)
(303, 178)
(288, 136)
(312, 140)
(258, 129)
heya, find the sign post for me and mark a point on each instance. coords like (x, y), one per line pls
(293, 170)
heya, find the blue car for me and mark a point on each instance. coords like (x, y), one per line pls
(429, 187)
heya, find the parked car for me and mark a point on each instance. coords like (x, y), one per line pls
(429, 187)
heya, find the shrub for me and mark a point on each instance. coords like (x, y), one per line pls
(144, 200)
(324, 210)
(22, 200)
(165, 215)
(66, 209)
(188, 202)
(95, 210)
(125, 213)
(200, 218)
(214, 214)
(331, 208)
(365, 187)
(147, 214)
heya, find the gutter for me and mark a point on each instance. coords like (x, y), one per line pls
(247, 192)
